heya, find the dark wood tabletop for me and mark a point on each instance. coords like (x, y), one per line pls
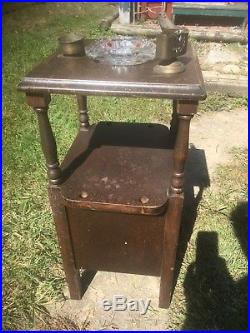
(82, 75)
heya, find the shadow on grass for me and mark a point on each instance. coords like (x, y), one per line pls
(214, 299)
(196, 177)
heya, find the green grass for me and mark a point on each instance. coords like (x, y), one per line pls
(219, 102)
(33, 274)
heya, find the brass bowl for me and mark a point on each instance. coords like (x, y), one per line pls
(72, 45)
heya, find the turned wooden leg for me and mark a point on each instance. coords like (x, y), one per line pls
(173, 124)
(40, 105)
(185, 111)
(77, 282)
(83, 112)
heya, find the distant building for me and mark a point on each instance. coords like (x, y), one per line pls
(130, 12)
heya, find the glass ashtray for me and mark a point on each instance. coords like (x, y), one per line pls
(122, 51)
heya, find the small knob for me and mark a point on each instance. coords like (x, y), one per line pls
(144, 199)
(84, 195)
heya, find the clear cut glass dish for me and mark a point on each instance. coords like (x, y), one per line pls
(122, 51)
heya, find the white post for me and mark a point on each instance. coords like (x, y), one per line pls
(124, 12)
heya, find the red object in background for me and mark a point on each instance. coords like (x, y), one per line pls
(151, 10)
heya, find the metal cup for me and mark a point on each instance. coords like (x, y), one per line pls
(171, 44)
(72, 45)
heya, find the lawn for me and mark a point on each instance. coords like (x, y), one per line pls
(32, 269)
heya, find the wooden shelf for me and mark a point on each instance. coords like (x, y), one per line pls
(119, 167)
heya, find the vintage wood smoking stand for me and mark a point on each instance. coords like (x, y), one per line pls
(117, 196)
